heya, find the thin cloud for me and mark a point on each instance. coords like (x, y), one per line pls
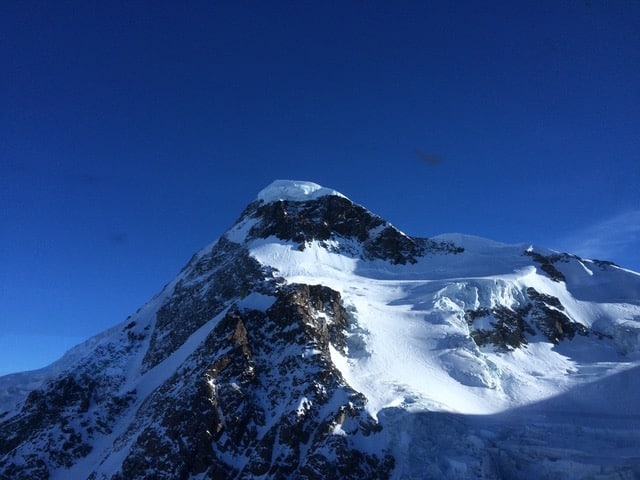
(615, 238)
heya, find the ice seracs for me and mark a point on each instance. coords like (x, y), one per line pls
(295, 190)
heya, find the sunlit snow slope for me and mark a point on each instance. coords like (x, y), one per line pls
(410, 341)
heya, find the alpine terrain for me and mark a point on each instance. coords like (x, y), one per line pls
(314, 340)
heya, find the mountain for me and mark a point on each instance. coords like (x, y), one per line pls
(314, 340)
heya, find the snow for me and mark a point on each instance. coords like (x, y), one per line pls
(315, 260)
(409, 343)
(240, 230)
(296, 191)
(400, 366)
(256, 301)
(452, 410)
(544, 408)
(303, 406)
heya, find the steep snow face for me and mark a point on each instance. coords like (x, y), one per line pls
(296, 191)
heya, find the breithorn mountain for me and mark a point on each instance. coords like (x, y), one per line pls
(314, 340)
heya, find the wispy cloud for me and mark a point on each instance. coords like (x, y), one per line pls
(616, 238)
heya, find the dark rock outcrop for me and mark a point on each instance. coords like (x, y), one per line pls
(60, 423)
(261, 397)
(547, 263)
(337, 218)
(512, 327)
(227, 272)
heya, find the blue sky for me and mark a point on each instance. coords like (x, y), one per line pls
(134, 133)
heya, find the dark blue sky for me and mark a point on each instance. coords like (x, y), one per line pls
(134, 133)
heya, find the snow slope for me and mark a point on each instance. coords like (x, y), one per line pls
(410, 344)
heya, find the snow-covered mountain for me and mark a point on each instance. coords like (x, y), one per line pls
(315, 340)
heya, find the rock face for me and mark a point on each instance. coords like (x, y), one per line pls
(337, 218)
(260, 396)
(509, 326)
(334, 370)
(208, 284)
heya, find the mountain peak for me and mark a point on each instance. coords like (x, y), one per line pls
(295, 190)
(304, 212)
(316, 340)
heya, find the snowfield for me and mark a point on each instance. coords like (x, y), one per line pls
(410, 343)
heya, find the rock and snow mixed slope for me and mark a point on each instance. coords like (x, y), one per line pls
(315, 340)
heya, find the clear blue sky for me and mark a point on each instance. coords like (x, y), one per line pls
(134, 133)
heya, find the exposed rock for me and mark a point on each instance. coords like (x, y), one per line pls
(320, 219)
(511, 325)
(548, 315)
(335, 218)
(227, 272)
(67, 404)
(260, 397)
(547, 263)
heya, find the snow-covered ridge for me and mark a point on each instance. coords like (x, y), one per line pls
(294, 190)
